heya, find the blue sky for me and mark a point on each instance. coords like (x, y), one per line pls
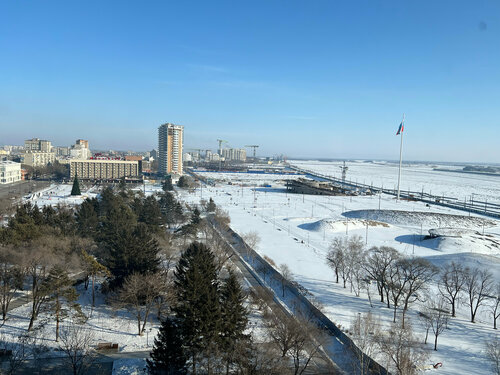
(300, 78)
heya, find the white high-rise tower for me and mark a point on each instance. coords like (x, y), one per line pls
(170, 142)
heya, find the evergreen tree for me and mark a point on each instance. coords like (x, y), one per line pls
(75, 190)
(197, 307)
(234, 319)
(184, 182)
(211, 205)
(167, 356)
(131, 250)
(171, 209)
(150, 213)
(49, 216)
(195, 217)
(87, 220)
(167, 184)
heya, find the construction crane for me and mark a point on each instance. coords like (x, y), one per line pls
(254, 150)
(221, 141)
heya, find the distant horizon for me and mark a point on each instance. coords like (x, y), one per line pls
(304, 158)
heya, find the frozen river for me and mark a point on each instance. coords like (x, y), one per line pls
(414, 177)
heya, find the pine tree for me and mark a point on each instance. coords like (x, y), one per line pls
(131, 250)
(211, 205)
(167, 356)
(87, 220)
(197, 309)
(234, 319)
(75, 190)
(150, 213)
(167, 184)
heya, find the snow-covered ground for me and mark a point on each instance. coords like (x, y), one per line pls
(297, 230)
(59, 194)
(414, 177)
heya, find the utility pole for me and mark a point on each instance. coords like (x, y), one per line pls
(400, 131)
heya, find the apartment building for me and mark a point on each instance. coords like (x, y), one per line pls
(38, 158)
(170, 143)
(234, 154)
(36, 144)
(104, 169)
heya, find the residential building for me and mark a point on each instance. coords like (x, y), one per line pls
(36, 144)
(133, 157)
(9, 172)
(61, 151)
(234, 154)
(82, 142)
(80, 150)
(38, 158)
(104, 169)
(170, 142)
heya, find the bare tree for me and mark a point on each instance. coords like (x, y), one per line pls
(296, 337)
(139, 293)
(11, 278)
(364, 331)
(379, 264)
(38, 259)
(437, 317)
(286, 277)
(355, 259)
(417, 273)
(18, 351)
(76, 344)
(335, 256)
(492, 349)
(220, 248)
(396, 284)
(495, 306)
(451, 283)
(478, 286)
(404, 354)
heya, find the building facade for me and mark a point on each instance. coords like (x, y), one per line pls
(38, 158)
(36, 144)
(80, 150)
(104, 169)
(235, 154)
(10, 172)
(170, 143)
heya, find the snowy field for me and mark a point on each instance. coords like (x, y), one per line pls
(297, 230)
(414, 177)
(59, 194)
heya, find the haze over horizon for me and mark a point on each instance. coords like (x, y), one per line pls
(316, 80)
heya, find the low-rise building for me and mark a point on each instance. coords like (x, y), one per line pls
(104, 169)
(10, 172)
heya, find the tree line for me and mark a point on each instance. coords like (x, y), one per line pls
(400, 282)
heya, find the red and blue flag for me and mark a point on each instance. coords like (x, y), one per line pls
(401, 128)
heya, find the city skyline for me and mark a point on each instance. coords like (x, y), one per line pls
(322, 80)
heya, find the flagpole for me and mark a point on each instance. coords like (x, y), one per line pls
(400, 155)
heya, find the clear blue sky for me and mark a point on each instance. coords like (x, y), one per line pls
(302, 78)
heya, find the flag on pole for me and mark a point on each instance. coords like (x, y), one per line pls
(401, 128)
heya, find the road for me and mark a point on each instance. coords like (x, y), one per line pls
(320, 364)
